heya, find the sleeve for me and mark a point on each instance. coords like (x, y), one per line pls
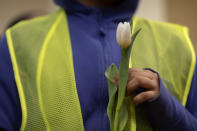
(167, 114)
(10, 109)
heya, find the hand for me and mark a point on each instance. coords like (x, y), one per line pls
(145, 79)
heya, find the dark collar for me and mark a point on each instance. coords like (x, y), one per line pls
(123, 11)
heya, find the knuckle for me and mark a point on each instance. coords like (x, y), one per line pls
(129, 83)
(135, 69)
(130, 75)
(133, 75)
(155, 75)
(138, 80)
(152, 94)
(154, 84)
(147, 71)
(145, 96)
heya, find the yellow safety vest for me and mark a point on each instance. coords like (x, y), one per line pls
(41, 55)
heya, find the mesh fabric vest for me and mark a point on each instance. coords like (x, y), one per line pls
(41, 54)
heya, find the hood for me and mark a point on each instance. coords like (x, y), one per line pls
(125, 8)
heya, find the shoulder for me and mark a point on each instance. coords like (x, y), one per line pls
(166, 33)
(34, 27)
(31, 33)
(163, 29)
(158, 24)
(4, 53)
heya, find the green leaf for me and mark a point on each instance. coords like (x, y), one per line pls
(110, 74)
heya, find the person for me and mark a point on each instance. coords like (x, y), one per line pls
(52, 70)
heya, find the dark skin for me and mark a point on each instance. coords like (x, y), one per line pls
(137, 78)
(145, 79)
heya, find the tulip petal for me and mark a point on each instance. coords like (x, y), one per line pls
(123, 34)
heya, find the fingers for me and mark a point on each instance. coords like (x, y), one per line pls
(143, 97)
(139, 78)
(140, 81)
(146, 73)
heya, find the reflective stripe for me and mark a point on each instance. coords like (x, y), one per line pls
(191, 71)
(40, 65)
(18, 81)
(42, 49)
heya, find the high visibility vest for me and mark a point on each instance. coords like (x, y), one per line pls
(41, 54)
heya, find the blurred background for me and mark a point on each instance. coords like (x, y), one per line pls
(182, 12)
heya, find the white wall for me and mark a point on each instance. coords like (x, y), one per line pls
(153, 9)
(184, 12)
(9, 9)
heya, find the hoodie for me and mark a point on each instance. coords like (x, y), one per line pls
(93, 37)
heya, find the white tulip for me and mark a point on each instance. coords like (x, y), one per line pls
(123, 34)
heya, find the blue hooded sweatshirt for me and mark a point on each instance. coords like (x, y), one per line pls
(94, 46)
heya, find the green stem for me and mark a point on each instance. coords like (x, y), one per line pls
(117, 108)
(123, 77)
